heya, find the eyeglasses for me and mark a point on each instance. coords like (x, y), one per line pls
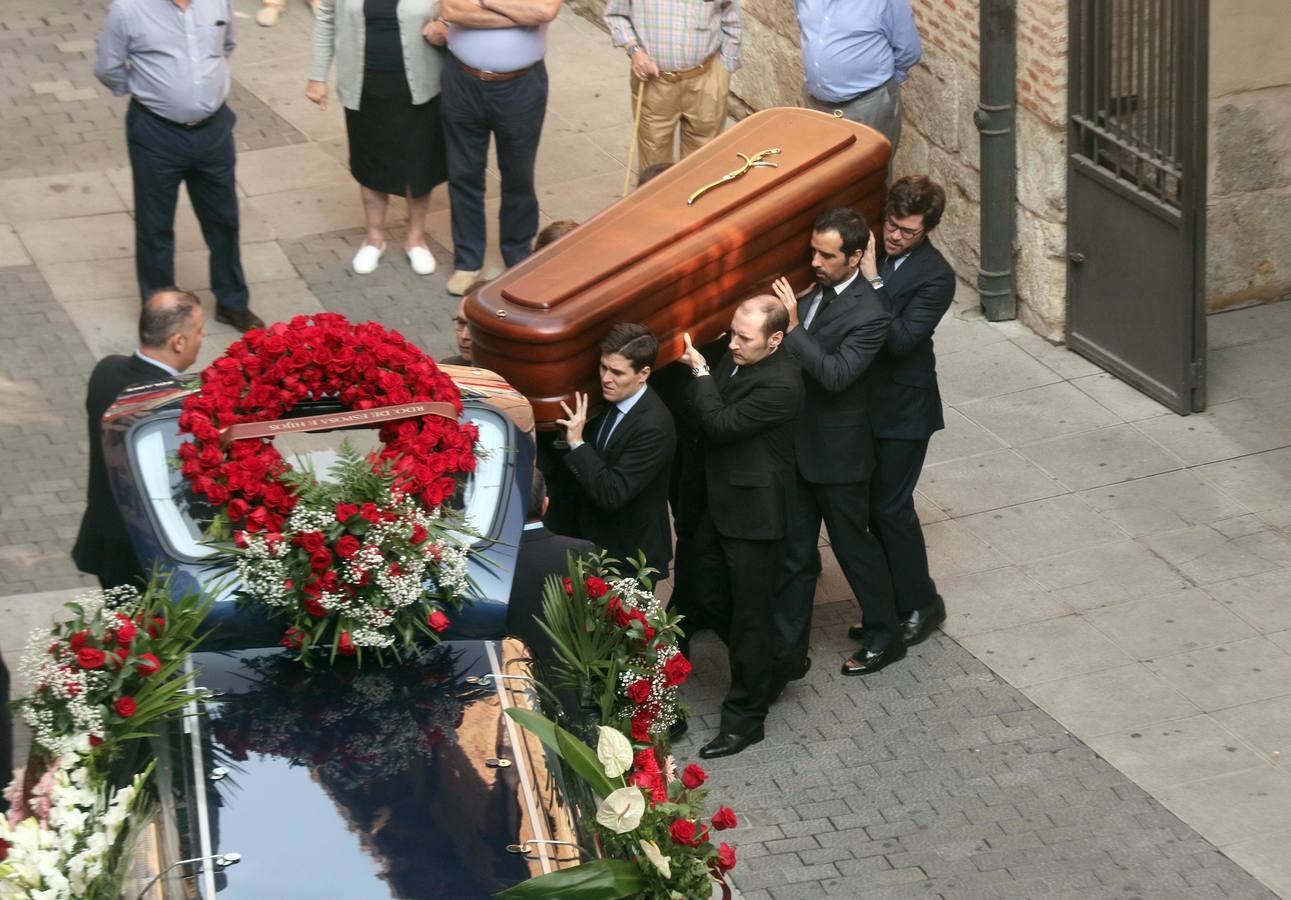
(460, 324)
(907, 233)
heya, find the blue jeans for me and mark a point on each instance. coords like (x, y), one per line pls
(511, 111)
(162, 155)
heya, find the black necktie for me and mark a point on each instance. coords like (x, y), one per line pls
(611, 416)
(887, 267)
(827, 293)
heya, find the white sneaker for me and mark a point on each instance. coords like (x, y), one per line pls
(421, 259)
(366, 260)
(461, 281)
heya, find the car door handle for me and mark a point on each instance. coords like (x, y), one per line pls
(1077, 258)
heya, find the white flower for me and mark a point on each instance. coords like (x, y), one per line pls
(614, 751)
(622, 810)
(652, 853)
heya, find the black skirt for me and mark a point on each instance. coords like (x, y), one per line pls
(395, 147)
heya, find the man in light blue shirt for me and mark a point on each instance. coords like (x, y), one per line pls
(855, 54)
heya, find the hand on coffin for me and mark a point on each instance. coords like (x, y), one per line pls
(870, 260)
(691, 357)
(784, 291)
(643, 66)
(576, 419)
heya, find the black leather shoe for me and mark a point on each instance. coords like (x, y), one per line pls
(241, 319)
(678, 729)
(730, 744)
(868, 661)
(920, 623)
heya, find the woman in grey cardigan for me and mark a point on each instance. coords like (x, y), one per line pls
(388, 59)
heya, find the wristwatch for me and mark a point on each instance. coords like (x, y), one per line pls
(631, 50)
(877, 281)
(699, 370)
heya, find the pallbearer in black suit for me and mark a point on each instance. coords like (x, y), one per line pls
(621, 459)
(171, 328)
(746, 412)
(835, 332)
(902, 399)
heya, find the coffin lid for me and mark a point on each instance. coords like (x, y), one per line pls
(628, 233)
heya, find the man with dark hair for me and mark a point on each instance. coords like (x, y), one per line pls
(746, 412)
(553, 232)
(542, 553)
(902, 398)
(461, 335)
(171, 328)
(622, 468)
(172, 59)
(834, 335)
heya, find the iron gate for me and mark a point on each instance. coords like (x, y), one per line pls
(1136, 191)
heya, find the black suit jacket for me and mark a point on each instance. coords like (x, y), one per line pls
(748, 424)
(541, 554)
(102, 546)
(902, 396)
(623, 503)
(834, 441)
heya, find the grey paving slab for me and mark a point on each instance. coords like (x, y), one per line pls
(1102, 456)
(1043, 412)
(999, 368)
(1031, 531)
(1106, 574)
(1165, 502)
(960, 438)
(1111, 700)
(1263, 601)
(1001, 478)
(1228, 675)
(1153, 627)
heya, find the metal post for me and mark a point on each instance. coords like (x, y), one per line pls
(995, 119)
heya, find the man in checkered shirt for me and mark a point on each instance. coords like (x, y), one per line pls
(682, 54)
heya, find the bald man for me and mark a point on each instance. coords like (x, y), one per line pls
(171, 328)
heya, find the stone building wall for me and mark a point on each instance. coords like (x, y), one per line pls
(1249, 186)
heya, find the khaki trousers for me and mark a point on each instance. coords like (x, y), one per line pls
(697, 105)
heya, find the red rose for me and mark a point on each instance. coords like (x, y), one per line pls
(314, 608)
(156, 627)
(78, 640)
(236, 509)
(347, 546)
(95, 740)
(641, 725)
(126, 633)
(126, 706)
(676, 670)
(568, 585)
(724, 818)
(370, 512)
(725, 857)
(293, 638)
(311, 541)
(639, 691)
(683, 832)
(148, 664)
(346, 511)
(90, 658)
(419, 534)
(345, 646)
(320, 560)
(437, 621)
(596, 587)
(693, 776)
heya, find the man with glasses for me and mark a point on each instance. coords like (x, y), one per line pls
(462, 335)
(902, 399)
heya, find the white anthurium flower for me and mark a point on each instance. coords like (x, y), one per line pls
(655, 855)
(622, 810)
(614, 751)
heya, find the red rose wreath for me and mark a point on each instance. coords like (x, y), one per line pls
(346, 561)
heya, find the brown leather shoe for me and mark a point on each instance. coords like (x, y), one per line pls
(241, 319)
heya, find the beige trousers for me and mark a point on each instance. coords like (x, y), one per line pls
(697, 105)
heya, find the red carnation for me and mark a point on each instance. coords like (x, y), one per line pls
(684, 832)
(347, 546)
(345, 646)
(90, 658)
(639, 691)
(725, 857)
(596, 587)
(693, 776)
(724, 818)
(125, 707)
(438, 621)
(676, 670)
(148, 664)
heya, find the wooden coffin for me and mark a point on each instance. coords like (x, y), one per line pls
(675, 266)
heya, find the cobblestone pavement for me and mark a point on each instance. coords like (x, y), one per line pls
(1117, 567)
(935, 778)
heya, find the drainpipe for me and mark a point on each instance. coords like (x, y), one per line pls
(995, 119)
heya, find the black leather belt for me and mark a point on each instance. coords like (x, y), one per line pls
(860, 96)
(160, 118)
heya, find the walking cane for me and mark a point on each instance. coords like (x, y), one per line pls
(636, 129)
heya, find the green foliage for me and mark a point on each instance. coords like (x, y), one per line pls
(567, 746)
(600, 879)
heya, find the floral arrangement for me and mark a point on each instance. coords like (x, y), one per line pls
(617, 644)
(97, 679)
(344, 564)
(655, 846)
(352, 726)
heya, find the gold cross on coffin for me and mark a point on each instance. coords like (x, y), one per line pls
(750, 162)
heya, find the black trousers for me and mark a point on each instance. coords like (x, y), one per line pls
(896, 524)
(513, 112)
(735, 590)
(162, 155)
(844, 508)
